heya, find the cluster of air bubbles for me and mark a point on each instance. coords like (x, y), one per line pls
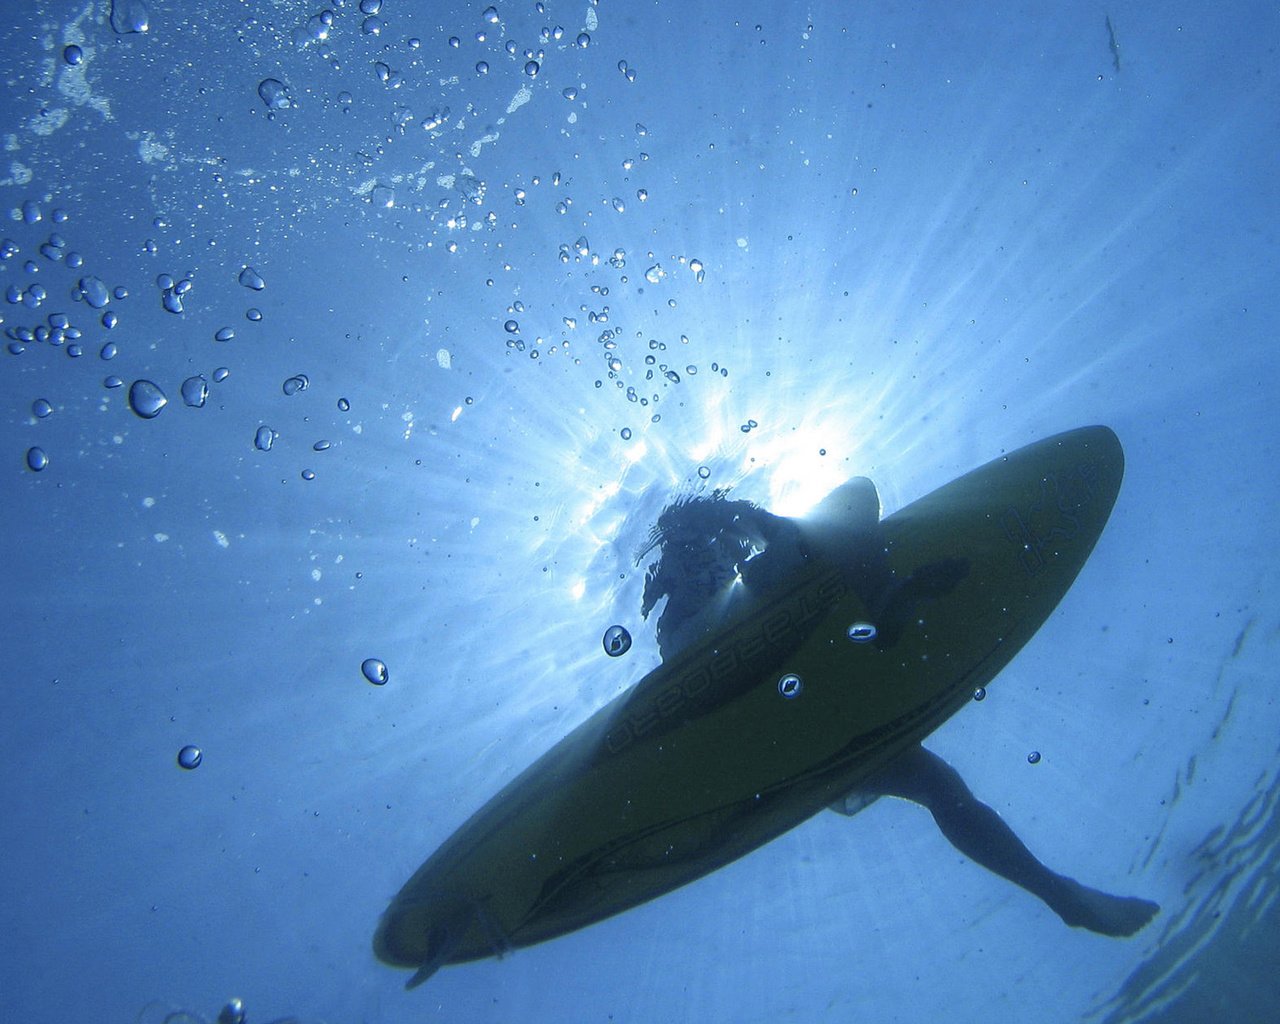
(264, 438)
(172, 292)
(275, 94)
(375, 671)
(316, 30)
(655, 274)
(471, 187)
(372, 24)
(699, 273)
(298, 382)
(749, 426)
(617, 641)
(435, 119)
(628, 72)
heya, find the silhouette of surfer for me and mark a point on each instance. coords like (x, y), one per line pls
(719, 557)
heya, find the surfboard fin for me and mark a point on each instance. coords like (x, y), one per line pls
(446, 936)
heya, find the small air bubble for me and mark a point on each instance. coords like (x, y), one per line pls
(375, 670)
(862, 632)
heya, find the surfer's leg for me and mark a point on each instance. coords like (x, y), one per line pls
(981, 834)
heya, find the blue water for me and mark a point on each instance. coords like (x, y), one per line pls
(927, 234)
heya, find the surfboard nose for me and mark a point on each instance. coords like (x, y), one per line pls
(1098, 458)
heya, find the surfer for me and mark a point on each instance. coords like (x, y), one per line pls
(718, 558)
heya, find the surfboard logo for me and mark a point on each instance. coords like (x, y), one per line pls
(1053, 518)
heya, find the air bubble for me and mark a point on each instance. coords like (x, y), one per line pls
(250, 278)
(146, 399)
(194, 391)
(36, 459)
(129, 17)
(94, 292)
(1033, 757)
(375, 670)
(980, 693)
(617, 641)
(862, 632)
(790, 686)
(264, 439)
(189, 757)
(41, 408)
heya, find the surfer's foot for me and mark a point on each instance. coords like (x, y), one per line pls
(1117, 916)
(898, 605)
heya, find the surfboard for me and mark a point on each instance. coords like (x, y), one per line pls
(758, 727)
